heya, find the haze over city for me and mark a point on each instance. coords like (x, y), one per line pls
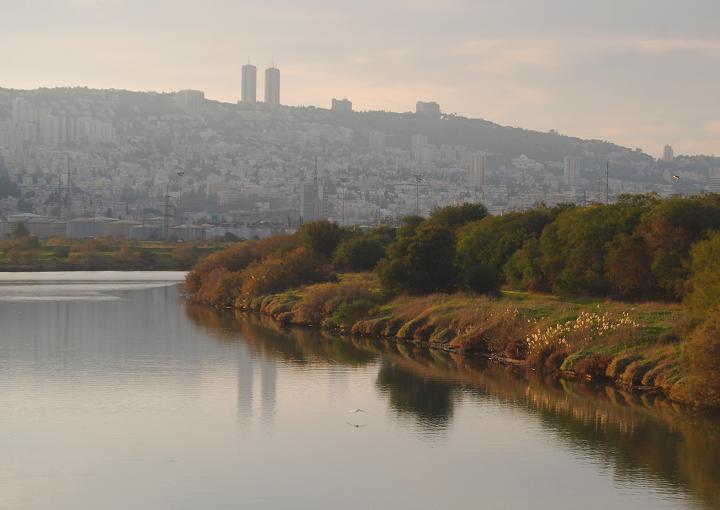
(352, 254)
(646, 78)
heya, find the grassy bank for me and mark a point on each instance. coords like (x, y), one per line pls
(632, 345)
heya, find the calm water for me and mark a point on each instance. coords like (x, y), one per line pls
(114, 393)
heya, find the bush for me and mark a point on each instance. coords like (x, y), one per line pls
(523, 271)
(456, 215)
(359, 253)
(702, 355)
(421, 264)
(348, 313)
(322, 237)
(594, 366)
(704, 281)
(220, 288)
(322, 300)
(280, 272)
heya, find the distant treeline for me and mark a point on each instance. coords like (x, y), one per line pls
(23, 252)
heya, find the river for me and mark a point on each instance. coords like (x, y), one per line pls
(117, 394)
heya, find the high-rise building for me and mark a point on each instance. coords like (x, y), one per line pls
(429, 109)
(342, 105)
(249, 84)
(310, 202)
(272, 86)
(23, 111)
(377, 141)
(668, 154)
(50, 130)
(573, 165)
(191, 101)
(478, 170)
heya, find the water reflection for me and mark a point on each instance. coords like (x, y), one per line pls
(147, 402)
(644, 438)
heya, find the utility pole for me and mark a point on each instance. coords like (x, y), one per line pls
(607, 182)
(165, 215)
(418, 180)
(68, 195)
(343, 207)
(166, 229)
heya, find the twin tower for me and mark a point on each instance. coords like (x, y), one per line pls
(249, 85)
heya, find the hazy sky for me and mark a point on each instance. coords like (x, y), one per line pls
(638, 72)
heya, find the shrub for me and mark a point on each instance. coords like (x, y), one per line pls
(348, 313)
(704, 281)
(322, 300)
(702, 356)
(22, 257)
(220, 288)
(522, 270)
(321, 237)
(594, 366)
(457, 215)
(280, 272)
(359, 253)
(421, 264)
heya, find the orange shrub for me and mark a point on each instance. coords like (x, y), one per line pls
(280, 272)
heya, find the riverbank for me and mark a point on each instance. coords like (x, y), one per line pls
(28, 254)
(629, 344)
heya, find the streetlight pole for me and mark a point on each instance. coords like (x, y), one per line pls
(418, 180)
(607, 182)
(166, 230)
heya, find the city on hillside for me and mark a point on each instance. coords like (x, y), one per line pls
(78, 162)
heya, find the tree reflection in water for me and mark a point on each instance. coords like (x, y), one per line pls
(633, 431)
(429, 401)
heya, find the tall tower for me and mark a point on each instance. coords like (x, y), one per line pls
(668, 154)
(478, 171)
(272, 86)
(249, 84)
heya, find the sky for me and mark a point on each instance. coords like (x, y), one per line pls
(641, 73)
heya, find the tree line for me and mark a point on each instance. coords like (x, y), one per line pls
(642, 247)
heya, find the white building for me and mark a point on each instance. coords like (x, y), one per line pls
(668, 154)
(272, 86)
(191, 101)
(249, 84)
(377, 141)
(573, 167)
(478, 169)
(430, 108)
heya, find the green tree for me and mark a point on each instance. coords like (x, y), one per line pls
(670, 229)
(628, 267)
(523, 271)
(704, 281)
(574, 246)
(422, 264)
(322, 237)
(359, 253)
(485, 246)
(454, 216)
(702, 354)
